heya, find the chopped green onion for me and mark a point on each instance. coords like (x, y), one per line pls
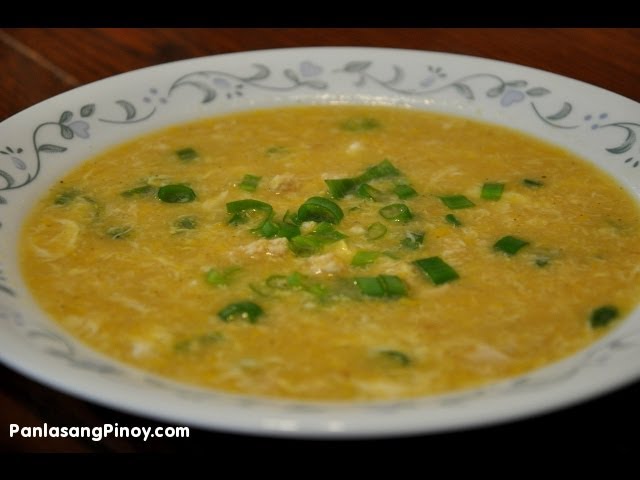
(327, 233)
(510, 244)
(404, 191)
(305, 246)
(66, 197)
(381, 286)
(453, 220)
(393, 285)
(383, 169)
(456, 202)
(176, 194)
(323, 234)
(395, 356)
(139, 191)
(370, 286)
(240, 206)
(375, 231)
(276, 150)
(360, 124)
(268, 228)
(396, 212)
(279, 282)
(186, 223)
(245, 310)
(542, 261)
(363, 258)
(296, 279)
(602, 316)
(319, 291)
(118, 233)
(437, 270)
(320, 209)
(492, 191)
(240, 209)
(288, 230)
(220, 277)
(413, 240)
(291, 218)
(340, 187)
(249, 183)
(527, 182)
(186, 154)
(367, 191)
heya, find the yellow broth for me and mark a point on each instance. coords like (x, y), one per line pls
(144, 281)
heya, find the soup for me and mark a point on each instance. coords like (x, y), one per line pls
(335, 253)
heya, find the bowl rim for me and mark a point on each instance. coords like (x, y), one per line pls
(318, 427)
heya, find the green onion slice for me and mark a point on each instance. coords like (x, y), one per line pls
(437, 270)
(176, 194)
(319, 209)
(249, 183)
(276, 150)
(413, 240)
(220, 277)
(240, 209)
(453, 220)
(364, 257)
(492, 191)
(139, 191)
(381, 170)
(381, 286)
(245, 310)
(404, 191)
(288, 230)
(186, 223)
(66, 197)
(510, 244)
(240, 206)
(327, 233)
(279, 282)
(313, 242)
(396, 212)
(396, 357)
(305, 246)
(528, 182)
(187, 154)
(375, 231)
(367, 191)
(118, 233)
(542, 261)
(456, 202)
(360, 124)
(602, 316)
(393, 285)
(340, 187)
(370, 286)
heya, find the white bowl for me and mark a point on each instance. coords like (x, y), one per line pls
(41, 143)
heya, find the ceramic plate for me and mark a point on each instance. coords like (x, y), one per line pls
(41, 143)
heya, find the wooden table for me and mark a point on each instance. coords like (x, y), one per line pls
(40, 63)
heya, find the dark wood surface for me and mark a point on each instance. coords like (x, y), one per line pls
(40, 63)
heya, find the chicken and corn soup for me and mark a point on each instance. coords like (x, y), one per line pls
(335, 253)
